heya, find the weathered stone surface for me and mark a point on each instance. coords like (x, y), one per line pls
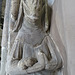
(63, 33)
(32, 40)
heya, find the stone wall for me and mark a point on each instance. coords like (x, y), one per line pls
(58, 33)
(63, 32)
(69, 27)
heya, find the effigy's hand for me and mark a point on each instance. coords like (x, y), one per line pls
(21, 65)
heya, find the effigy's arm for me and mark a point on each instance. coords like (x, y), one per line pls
(14, 12)
(14, 9)
(19, 20)
(56, 60)
(16, 15)
(40, 65)
(48, 14)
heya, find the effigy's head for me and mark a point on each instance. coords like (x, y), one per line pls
(34, 7)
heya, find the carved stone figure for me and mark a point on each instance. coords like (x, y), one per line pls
(33, 51)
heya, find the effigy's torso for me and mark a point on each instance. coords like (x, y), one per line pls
(32, 30)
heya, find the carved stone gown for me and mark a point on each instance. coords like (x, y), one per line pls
(30, 39)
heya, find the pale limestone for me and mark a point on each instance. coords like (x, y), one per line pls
(29, 37)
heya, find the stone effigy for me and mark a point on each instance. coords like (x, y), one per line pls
(32, 51)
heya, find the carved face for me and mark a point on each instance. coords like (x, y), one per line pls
(34, 7)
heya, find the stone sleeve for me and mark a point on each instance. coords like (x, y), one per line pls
(15, 8)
